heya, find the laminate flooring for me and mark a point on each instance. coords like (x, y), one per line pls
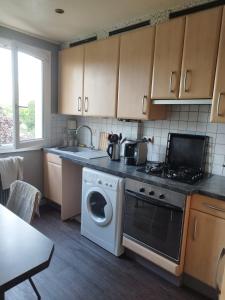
(81, 270)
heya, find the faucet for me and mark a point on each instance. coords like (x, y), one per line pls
(89, 128)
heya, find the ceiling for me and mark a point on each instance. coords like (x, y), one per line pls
(81, 17)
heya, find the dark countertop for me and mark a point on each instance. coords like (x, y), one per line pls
(213, 186)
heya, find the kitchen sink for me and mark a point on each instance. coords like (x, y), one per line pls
(80, 152)
(74, 149)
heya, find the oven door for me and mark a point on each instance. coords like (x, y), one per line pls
(154, 224)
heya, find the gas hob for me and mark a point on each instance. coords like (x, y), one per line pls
(182, 173)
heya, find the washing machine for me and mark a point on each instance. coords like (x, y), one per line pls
(102, 209)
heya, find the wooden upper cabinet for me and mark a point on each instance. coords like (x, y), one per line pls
(167, 59)
(135, 75)
(100, 77)
(71, 72)
(200, 53)
(218, 104)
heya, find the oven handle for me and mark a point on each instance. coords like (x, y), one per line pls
(153, 202)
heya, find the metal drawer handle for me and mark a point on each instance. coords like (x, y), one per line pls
(79, 103)
(186, 89)
(86, 104)
(194, 229)
(143, 104)
(218, 290)
(172, 74)
(214, 207)
(218, 104)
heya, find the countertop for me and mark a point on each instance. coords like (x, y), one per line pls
(213, 186)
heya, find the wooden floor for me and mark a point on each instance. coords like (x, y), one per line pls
(81, 270)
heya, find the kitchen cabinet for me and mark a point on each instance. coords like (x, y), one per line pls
(201, 41)
(222, 293)
(135, 76)
(100, 77)
(167, 59)
(71, 72)
(62, 184)
(218, 104)
(204, 258)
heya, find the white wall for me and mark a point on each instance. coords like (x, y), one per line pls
(33, 170)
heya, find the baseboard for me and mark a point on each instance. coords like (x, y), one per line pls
(200, 287)
(175, 280)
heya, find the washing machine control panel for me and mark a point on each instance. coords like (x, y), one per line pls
(101, 179)
(106, 183)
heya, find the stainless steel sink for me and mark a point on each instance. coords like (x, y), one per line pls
(80, 152)
(73, 149)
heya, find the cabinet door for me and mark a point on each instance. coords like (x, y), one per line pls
(135, 73)
(218, 105)
(200, 54)
(222, 293)
(205, 242)
(100, 77)
(167, 59)
(53, 181)
(71, 70)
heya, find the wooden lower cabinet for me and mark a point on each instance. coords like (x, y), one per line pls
(205, 243)
(53, 182)
(63, 184)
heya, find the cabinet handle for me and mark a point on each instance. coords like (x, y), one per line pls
(86, 104)
(218, 290)
(79, 103)
(214, 207)
(218, 104)
(172, 74)
(143, 105)
(186, 89)
(194, 229)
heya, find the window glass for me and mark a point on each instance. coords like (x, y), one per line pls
(6, 97)
(30, 86)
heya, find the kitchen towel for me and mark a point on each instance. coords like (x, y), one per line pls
(11, 169)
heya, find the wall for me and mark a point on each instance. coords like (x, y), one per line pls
(36, 42)
(192, 119)
(33, 170)
(32, 166)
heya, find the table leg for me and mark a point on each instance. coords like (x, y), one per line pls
(2, 295)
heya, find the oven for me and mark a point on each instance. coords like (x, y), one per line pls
(153, 218)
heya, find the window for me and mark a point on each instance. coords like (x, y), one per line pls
(24, 96)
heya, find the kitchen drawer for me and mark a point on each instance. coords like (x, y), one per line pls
(53, 158)
(208, 205)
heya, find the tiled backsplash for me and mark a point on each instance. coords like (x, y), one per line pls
(128, 129)
(58, 124)
(193, 119)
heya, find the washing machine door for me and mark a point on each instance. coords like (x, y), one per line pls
(99, 206)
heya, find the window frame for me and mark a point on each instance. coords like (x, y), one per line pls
(45, 57)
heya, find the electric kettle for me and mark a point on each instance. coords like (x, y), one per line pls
(113, 149)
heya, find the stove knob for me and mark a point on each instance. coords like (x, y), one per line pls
(142, 190)
(151, 193)
(162, 196)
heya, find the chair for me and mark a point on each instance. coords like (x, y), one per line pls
(24, 201)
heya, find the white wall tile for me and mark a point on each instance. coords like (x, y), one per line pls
(203, 117)
(220, 138)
